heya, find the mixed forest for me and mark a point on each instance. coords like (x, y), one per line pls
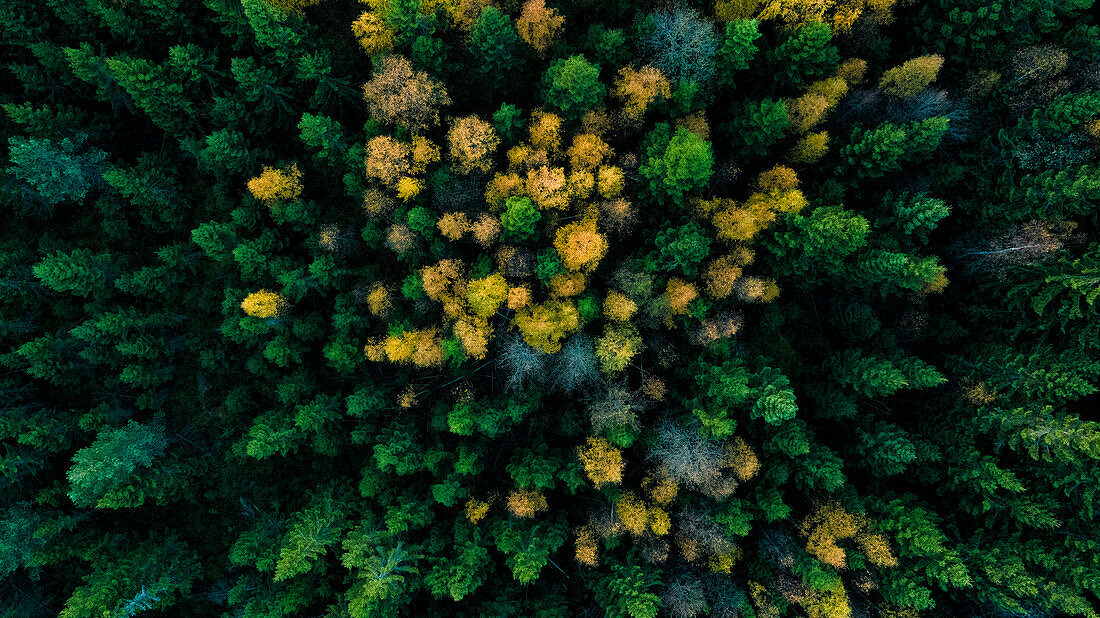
(625, 308)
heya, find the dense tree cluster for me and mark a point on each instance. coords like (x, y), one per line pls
(549, 308)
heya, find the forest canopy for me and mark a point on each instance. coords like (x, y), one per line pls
(744, 308)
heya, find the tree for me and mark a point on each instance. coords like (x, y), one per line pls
(625, 592)
(276, 185)
(494, 47)
(639, 87)
(265, 304)
(520, 218)
(684, 164)
(684, 248)
(398, 94)
(603, 463)
(580, 246)
(910, 77)
(804, 54)
(79, 272)
(538, 24)
(472, 142)
(51, 173)
(112, 459)
(571, 86)
(737, 51)
(312, 530)
(150, 576)
(682, 44)
(758, 127)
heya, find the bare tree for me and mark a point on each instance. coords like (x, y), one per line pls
(521, 362)
(683, 596)
(575, 366)
(687, 456)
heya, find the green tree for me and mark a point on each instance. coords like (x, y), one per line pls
(682, 165)
(571, 86)
(626, 591)
(495, 49)
(51, 173)
(112, 459)
(737, 51)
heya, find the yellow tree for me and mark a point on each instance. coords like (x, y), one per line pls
(544, 325)
(526, 503)
(387, 160)
(472, 142)
(580, 245)
(548, 187)
(265, 304)
(275, 185)
(637, 88)
(588, 152)
(538, 24)
(372, 32)
(911, 77)
(397, 94)
(603, 463)
(619, 344)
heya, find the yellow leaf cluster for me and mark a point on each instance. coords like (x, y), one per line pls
(408, 188)
(502, 187)
(852, 70)
(806, 111)
(518, 297)
(387, 160)
(753, 289)
(547, 187)
(538, 24)
(911, 77)
(265, 304)
(581, 184)
(588, 152)
(275, 185)
(487, 294)
(473, 333)
(841, 15)
(485, 229)
(378, 300)
(472, 142)
(680, 294)
(423, 348)
(397, 94)
(545, 131)
(453, 225)
(587, 552)
(372, 32)
(580, 245)
(661, 489)
(720, 276)
(400, 239)
(810, 148)
(376, 203)
(544, 325)
(526, 503)
(610, 181)
(619, 344)
(637, 88)
(567, 285)
(638, 518)
(830, 523)
(618, 306)
(742, 459)
(476, 510)
(293, 6)
(603, 463)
